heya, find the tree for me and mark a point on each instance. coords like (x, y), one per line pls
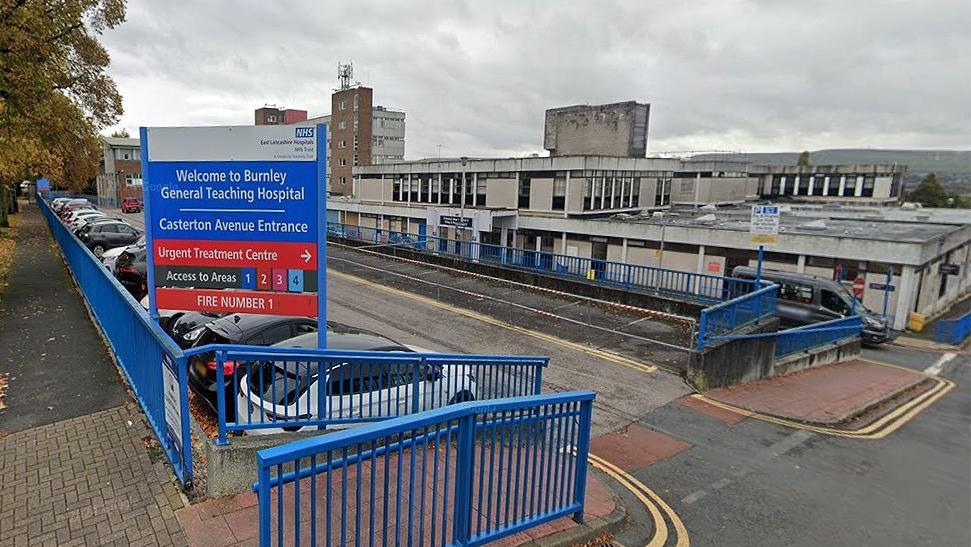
(803, 159)
(121, 133)
(55, 93)
(930, 193)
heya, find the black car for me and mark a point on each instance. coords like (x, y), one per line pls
(186, 328)
(239, 328)
(102, 236)
(131, 270)
(98, 220)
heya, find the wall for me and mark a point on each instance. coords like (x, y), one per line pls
(618, 129)
(502, 193)
(541, 194)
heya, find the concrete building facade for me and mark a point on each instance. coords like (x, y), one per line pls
(668, 213)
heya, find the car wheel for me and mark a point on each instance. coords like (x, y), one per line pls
(462, 397)
(98, 250)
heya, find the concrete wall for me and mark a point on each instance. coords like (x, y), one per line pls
(618, 129)
(502, 193)
(574, 197)
(541, 194)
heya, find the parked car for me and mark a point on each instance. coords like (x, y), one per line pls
(109, 257)
(73, 205)
(131, 270)
(72, 217)
(58, 203)
(805, 299)
(239, 328)
(80, 224)
(186, 329)
(131, 205)
(100, 237)
(351, 387)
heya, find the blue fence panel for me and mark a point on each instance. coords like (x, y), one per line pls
(138, 343)
(273, 388)
(688, 285)
(739, 312)
(816, 335)
(953, 331)
(466, 474)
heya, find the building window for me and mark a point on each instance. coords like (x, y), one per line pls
(559, 193)
(355, 101)
(524, 194)
(342, 105)
(342, 162)
(868, 183)
(270, 118)
(342, 124)
(850, 188)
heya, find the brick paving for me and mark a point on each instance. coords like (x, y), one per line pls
(826, 395)
(233, 520)
(86, 481)
(721, 414)
(637, 447)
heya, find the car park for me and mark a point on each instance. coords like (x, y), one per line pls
(102, 236)
(239, 328)
(131, 205)
(805, 299)
(355, 388)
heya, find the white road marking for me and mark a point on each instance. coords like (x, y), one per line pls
(938, 365)
(761, 458)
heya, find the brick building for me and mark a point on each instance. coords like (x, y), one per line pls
(273, 115)
(120, 169)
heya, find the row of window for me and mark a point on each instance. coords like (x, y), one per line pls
(823, 185)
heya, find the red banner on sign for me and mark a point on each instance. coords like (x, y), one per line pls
(226, 301)
(235, 254)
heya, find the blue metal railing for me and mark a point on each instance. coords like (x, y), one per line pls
(815, 335)
(269, 388)
(953, 331)
(702, 288)
(139, 345)
(466, 474)
(732, 315)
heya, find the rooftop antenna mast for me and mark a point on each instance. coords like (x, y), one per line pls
(345, 73)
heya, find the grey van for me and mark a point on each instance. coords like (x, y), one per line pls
(805, 299)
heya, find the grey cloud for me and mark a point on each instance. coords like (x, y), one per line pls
(476, 77)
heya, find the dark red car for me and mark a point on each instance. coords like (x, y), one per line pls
(131, 205)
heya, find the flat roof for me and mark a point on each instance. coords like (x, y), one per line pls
(866, 223)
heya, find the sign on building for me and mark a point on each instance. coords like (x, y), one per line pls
(455, 221)
(235, 218)
(764, 226)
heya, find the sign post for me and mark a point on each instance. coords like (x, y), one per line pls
(236, 219)
(764, 229)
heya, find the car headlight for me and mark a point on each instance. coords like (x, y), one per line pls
(873, 323)
(193, 334)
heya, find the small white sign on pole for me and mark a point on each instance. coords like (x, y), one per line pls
(173, 402)
(764, 227)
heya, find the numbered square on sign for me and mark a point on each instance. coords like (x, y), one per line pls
(295, 279)
(264, 279)
(248, 278)
(279, 279)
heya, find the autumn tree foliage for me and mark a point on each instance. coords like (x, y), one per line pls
(55, 93)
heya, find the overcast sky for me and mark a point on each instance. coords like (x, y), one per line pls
(476, 77)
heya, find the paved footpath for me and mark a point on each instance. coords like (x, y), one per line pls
(73, 459)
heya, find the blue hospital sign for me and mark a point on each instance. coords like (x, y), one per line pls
(228, 206)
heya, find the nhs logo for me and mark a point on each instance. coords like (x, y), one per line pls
(304, 132)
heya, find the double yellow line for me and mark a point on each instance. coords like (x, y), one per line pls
(654, 504)
(601, 354)
(877, 430)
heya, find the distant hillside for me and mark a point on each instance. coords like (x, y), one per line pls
(942, 162)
